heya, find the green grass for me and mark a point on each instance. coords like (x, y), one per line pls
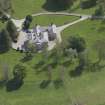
(56, 19)
(91, 30)
(77, 9)
(25, 7)
(89, 88)
(21, 8)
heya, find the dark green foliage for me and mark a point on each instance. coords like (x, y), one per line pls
(13, 84)
(11, 28)
(77, 43)
(17, 81)
(88, 3)
(57, 5)
(27, 22)
(5, 41)
(58, 83)
(99, 11)
(4, 18)
(101, 3)
(19, 72)
(29, 18)
(44, 84)
(64, 3)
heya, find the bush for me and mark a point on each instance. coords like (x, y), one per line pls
(77, 43)
(5, 41)
(88, 4)
(19, 72)
(27, 22)
(12, 30)
(99, 11)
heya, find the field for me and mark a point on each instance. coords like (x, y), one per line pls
(21, 8)
(56, 19)
(86, 89)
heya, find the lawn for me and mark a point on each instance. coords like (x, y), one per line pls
(21, 8)
(56, 19)
(25, 7)
(91, 30)
(88, 89)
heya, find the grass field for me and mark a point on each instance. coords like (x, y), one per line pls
(56, 19)
(87, 89)
(21, 8)
(24, 7)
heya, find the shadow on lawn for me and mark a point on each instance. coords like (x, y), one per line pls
(91, 67)
(77, 72)
(14, 84)
(26, 58)
(44, 84)
(53, 7)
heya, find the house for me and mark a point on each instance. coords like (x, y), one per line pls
(40, 36)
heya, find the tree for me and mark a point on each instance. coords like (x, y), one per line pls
(27, 22)
(29, 18)
(77, 43)
(99, 11)
(5, 41)
(12, 30)
(19, 72)
(88, 3)
(17, 81)
(101, 4)
(64, 3)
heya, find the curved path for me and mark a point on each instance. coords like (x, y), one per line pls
(19, 22)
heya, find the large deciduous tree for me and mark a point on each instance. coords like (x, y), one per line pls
(64, 3)
(12, 30)
(5, 41)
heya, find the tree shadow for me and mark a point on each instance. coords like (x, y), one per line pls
(44, 84)
(42, 69)
(39, 64)
(14, 84)
(58, 83)
(50, 5)
(78, 71)
(3, 51)
(101, 29)
(67, 63)
(26, 58)
(2, 83)
(96, 66)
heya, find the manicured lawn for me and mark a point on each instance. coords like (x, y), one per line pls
(89, 88)
(24, 7)
(56, 19)
(91, 30)
(21, 8)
